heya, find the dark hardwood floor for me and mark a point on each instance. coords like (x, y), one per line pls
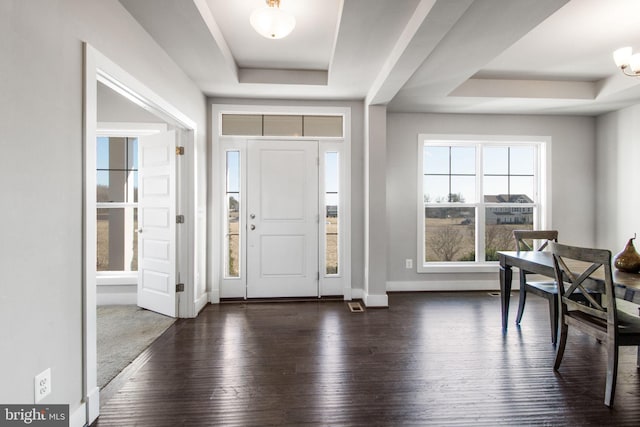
(430, 359)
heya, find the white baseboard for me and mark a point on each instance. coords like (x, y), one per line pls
(115, 279)
(93, 405)
(448, 285)
(116, 294)
(214, 296)
(79, 417)
(357, 293)
(201, 302)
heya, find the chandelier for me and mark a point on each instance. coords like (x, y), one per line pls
(271, 21)
(627, 61)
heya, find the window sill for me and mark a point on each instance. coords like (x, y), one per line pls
(488, 267)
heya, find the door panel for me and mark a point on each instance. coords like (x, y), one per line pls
(282, 234)
(157, 224)
(283, 255)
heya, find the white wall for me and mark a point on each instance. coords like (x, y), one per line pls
(41, 168)
(573, 179)
(618, 175)
(357, 172)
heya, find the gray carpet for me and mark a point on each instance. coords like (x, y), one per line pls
(125, 331)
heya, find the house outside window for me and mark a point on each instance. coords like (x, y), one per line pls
(473, 192)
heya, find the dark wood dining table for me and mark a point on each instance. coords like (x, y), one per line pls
(542, 263)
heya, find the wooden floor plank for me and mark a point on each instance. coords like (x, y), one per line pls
(432, 359)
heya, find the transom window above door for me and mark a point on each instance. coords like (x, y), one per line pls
(282, 125)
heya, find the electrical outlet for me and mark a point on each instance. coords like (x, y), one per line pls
(42, 384)
(408, 263)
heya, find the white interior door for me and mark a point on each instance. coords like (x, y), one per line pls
(282, 222)
(157, 223)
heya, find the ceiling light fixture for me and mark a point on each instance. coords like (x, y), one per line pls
(626, 60)
(271, 21)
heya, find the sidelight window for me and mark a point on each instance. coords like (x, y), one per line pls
(232, 215)
(332, 204)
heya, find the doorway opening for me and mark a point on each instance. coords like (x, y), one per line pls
(178, 258)
(124, 329)
(283, 193)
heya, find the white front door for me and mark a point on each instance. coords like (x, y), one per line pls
(157, 223)
(282, 222)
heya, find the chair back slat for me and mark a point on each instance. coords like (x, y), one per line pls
(522, 238)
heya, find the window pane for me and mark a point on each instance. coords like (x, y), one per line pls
(331, 172)
(436, 160)
(463, 160)
(111, 186)
(233, 171)
(449, 234)
(463, 189)
(522, 188)
(436, 189)
(102, 187)
(232, 264)
(332, 249)
(493, 186)
(133, 153)
(500, 223)
(117, 163)
(522, 160)
(283, 125)
(322, 125)
(232, 206)
(113, 153)
(103, 240)
(496, 160)
(133, 191)
(102, 152)
(117, 239)
(242, 124)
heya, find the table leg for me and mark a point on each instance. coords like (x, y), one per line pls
(506, 275)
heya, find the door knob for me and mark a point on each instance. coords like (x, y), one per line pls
(140, 230)
(252, 216)
(253, 227)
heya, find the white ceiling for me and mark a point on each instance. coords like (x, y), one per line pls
(308, 47)
(453, 56)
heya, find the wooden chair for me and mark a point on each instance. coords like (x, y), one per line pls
(602, 320)
(546, 289)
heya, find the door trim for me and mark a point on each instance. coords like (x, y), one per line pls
(329, 285)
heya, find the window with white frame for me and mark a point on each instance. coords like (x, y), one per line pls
(117, 203)
(473, 194)
(232, 215)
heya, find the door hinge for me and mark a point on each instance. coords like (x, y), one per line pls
(179, 287)
(179, 151)
(318, 276)
(179, 219)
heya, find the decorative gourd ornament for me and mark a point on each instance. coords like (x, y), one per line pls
(628, 260)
